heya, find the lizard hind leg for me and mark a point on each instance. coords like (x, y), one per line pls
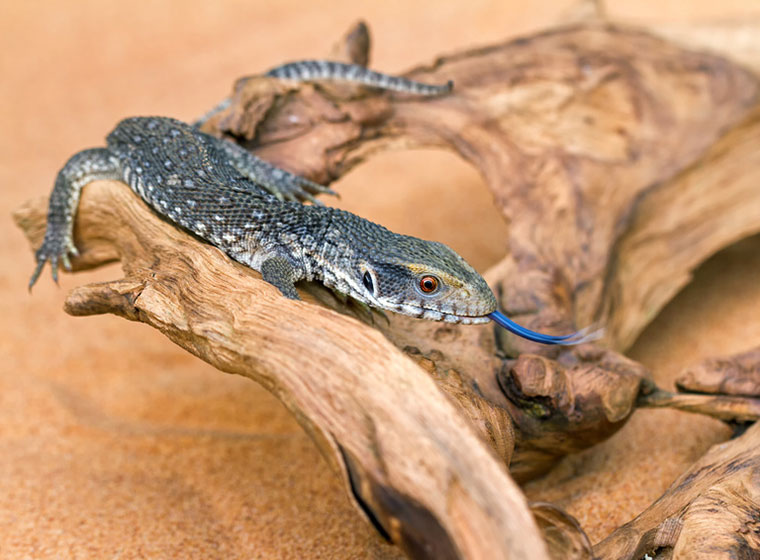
(282, 184)
(58, 244)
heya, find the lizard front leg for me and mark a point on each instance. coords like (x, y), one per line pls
(82, 168)
(281, 273)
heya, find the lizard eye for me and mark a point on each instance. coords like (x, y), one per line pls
(428, 284)
(367, 280)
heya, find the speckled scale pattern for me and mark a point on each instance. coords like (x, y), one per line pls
(309, 70)
(186, 176)
(306, 70)
(190, 178)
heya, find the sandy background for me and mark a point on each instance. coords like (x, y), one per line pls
(114, 443)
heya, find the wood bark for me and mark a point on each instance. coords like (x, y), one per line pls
(603, 147)
(710, 512)
(409, 458)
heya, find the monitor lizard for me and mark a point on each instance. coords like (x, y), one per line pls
(254, 212)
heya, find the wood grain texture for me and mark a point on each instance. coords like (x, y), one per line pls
(412, 462)
(709, 512)
(602, 147)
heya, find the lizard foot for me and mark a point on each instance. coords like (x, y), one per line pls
(57, 249)
(288, 186)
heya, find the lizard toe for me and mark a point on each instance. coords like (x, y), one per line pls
(36, 272)
(66, 262)
(54, 267)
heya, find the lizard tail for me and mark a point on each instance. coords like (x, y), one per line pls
(306, 70)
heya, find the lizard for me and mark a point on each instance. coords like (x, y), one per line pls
(255, 213)
(306, 70)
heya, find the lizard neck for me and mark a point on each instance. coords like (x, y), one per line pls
(346, 241)
(318, 260)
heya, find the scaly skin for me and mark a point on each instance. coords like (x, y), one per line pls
(304, 70)
(310, 70)
(251, 210)
(189, 178)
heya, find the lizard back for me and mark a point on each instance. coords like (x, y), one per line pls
(186, 177)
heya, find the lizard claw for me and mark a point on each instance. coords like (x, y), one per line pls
(36, 273)
(315, 188)
(55, 250)
(54, 268)
(71, 249)
(300, 189)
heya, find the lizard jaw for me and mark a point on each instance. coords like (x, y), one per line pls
(437, 315)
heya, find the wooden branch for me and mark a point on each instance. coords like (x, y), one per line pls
(559, 408)
(549, 120)
(709, 205)
(710, 512)
(727, 388)
(620, 161)
(730, 409)
(411, 461)
(563, 534)
(737, 375)
(602, 147)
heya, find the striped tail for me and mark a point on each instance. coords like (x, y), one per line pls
(307, 70)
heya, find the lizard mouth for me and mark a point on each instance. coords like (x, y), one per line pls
(438, 315)
(464, 320)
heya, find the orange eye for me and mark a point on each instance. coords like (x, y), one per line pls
(428, 284)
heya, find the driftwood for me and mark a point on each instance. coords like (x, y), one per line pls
(603, 148)
(409, 458)
(733, 375)
(710, 512)
(589, 138)
(713, 510)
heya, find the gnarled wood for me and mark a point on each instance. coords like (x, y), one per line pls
(732, 375)
(409, 458)
(710, 512)
(563, 534)
(602, 147)
(726, 387)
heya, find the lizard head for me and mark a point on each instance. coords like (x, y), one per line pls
(411, 276)
(423, 279)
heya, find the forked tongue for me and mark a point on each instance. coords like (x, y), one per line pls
(585, 335)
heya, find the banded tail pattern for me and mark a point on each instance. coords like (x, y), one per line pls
(307, 70)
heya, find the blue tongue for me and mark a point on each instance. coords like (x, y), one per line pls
(585, 335)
